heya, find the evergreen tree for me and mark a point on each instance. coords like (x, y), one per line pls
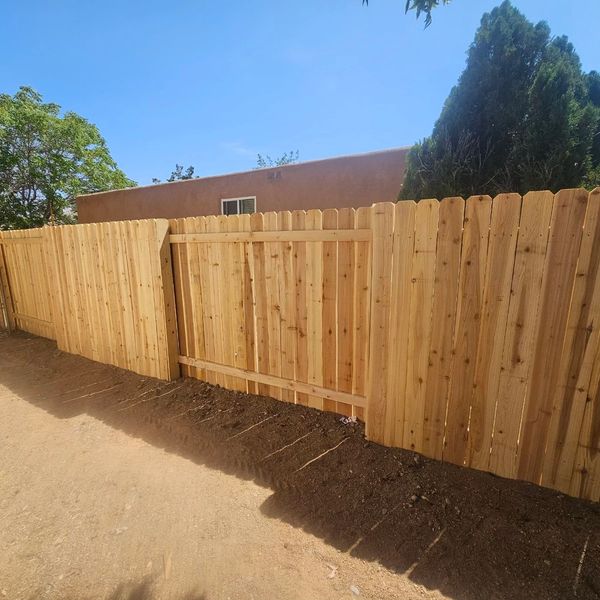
(522, 116)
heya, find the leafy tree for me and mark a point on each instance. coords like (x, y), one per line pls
(522, 116)
(287, 158)
(421, 7)
(178, 174)
(46, 160)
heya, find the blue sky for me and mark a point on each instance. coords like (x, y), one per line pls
(211, 83)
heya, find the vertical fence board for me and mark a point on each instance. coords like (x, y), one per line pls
(329, 317)
(299, 261)
(345, 310)
(518, 344)
(557, 286)
(398, 334)
(287, 307)
(260, 302)
(362, 309)
(468, 319)
(314, 280)
(504, 228)
(579, 347)
(419, 333)
(379, 413)
(443, 319)
(248, 299)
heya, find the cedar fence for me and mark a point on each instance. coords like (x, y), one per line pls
(464, 330)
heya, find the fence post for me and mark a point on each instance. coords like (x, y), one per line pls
(382, 224)
(170, 367)
(5, 298)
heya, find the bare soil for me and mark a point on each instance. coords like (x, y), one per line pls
(117, 486)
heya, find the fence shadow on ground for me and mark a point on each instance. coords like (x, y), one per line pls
(469, 534)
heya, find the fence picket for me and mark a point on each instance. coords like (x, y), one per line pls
(504, 228)
(443, 320)
(466, 336)
(557, 286)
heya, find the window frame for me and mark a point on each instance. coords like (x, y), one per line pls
(239, 201)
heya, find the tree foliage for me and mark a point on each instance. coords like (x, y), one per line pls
(421, 7)
(522, 116)
(287, 158)
(46, 160)
(178, 174)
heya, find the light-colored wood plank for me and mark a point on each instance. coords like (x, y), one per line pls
(329, 316)
(234, 289)
(287, 308)
(421, 304)
(379, 412)
(314, 282)
(504, 228)
(273, 381)
(557, 286)
(250, 326)
(468, 320)
(398, 335)
(443, 320)
(300, 294)
(345, 310)
(362, 310)
(259, 293)
(579, 349)
(166, 315)
(337, 235)
(526, 287)
(272, 281)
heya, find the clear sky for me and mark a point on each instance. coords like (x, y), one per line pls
(211, 83)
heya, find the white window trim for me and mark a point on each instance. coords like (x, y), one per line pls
(223, 200)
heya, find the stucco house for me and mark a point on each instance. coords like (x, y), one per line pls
(345, 181)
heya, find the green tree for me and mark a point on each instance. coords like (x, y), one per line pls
(46, 160)
(287, 158)
(178, 174)
(521, 117)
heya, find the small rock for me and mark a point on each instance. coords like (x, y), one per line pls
(384, 511)
(414, 497)
(355, 591)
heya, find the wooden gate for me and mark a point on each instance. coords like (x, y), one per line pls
(277, 304)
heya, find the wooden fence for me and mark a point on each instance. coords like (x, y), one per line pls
(103, 291)
(464, 330)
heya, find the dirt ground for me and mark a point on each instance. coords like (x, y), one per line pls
(121, 487)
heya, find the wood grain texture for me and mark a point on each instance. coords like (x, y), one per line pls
(504, 229)
(443, 320)
(419, 332)
(557, 286)
(468, 320)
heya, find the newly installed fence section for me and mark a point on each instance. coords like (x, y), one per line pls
(115, 290)
(277, 304)
(466, 330)
(485, 346)
(24, 269)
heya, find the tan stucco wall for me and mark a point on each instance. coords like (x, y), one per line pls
(346, 181)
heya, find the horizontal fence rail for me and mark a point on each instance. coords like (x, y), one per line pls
(466, 330)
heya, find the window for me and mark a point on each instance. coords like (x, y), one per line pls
(238, 206)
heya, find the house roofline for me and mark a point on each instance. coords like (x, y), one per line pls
(290, 166)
